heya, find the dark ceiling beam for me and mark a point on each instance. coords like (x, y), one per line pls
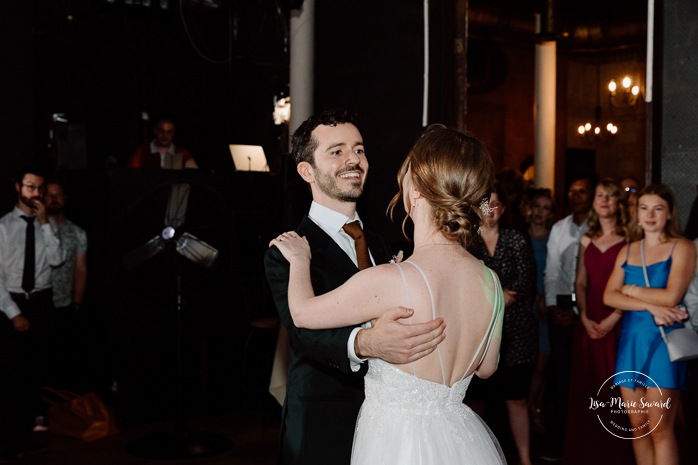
(578, 26)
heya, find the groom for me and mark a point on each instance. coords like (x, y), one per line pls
(325, 379)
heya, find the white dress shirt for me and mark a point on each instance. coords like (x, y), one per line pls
(170, 153)
(12, 245)
(561, 263)
(332, 222)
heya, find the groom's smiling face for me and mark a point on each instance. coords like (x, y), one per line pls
(340, 166)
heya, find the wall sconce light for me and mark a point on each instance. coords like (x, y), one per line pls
(282, 110)
(626, 95)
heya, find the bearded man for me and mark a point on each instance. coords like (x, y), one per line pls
(29, 246)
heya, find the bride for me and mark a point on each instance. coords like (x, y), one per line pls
(414, 413)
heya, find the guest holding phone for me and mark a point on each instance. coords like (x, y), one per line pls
(560, 271)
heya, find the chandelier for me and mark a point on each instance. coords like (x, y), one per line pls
(596, 130)
(588, 130)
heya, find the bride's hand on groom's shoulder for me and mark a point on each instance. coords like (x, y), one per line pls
(292, 246)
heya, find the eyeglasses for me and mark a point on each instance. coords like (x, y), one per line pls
(34, 188)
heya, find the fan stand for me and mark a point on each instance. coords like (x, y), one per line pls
(180, 443)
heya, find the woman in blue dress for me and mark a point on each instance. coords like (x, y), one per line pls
(669, 260)
(540, 217)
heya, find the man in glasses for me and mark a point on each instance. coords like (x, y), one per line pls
(29, 246)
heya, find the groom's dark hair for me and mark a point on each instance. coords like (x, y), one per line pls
(302, 143)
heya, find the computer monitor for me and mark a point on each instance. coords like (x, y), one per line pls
(248, 157)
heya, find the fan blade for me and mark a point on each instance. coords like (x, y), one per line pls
(196, 250)
(177, 205)
(143, 253)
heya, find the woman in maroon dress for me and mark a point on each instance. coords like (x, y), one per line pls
(596, 334)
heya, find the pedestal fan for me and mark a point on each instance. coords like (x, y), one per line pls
(183, 248)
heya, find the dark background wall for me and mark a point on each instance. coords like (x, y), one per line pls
(217, 70)
(676, 138)
(110, 63)
(16, 91)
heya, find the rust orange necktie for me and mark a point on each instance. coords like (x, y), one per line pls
(362, 257)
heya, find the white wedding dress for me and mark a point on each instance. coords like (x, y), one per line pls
(408, 420)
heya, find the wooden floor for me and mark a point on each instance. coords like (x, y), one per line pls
(253, 435)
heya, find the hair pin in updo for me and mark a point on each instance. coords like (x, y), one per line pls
(485, 206)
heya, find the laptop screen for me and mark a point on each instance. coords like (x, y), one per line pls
(248, 157)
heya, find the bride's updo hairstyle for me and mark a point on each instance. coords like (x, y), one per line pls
(454, 174)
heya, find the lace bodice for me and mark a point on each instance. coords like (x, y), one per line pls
(399, 390)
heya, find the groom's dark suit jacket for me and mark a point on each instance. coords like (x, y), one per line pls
(323, 395)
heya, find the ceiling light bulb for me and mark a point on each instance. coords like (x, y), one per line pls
(580, 130)
(612, 86)
(635, 90)
(597, 130)
(626, 82)
(587, 127)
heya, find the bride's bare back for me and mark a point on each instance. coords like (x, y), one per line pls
(463, 290)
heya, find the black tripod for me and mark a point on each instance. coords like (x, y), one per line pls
(180, 443)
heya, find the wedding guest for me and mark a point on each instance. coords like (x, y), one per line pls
(70, 279)
(596, 332)
(649, 278)
(509, 254)
(540, 217)
(413, 413)
(691, 298)
(512, 186)
(69, 282)
(29, 247)
(560, 270)
(630, 186)
(325, 386)
(691, 301)
(162, 152)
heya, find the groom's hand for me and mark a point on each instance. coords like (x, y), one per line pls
(398, 342)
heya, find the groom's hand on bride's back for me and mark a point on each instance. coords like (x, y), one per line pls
(393, 339)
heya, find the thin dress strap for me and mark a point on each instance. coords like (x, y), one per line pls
(433, 313)
(408, 299)
(490, 330)
(627, 253)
